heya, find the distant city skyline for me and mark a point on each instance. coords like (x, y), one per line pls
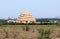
(38, 8)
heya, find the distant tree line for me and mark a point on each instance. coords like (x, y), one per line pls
(43, 21)
(47, 19)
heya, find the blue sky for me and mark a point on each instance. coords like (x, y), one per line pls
(38, 8)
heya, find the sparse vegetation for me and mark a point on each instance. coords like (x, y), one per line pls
(27, 28)
(23, 27)
(44, 33)
(6, 33)
(33, 31)
(23, 37)
(15, 34)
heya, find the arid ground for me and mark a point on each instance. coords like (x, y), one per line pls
(20, 33)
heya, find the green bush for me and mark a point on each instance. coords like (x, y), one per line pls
(27, 28)
(47, 33)
(41, 31)
(44, 33)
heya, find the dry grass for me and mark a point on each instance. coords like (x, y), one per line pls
(31, 34)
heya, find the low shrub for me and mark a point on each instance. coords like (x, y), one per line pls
(6, 33)
(44, 33)
(27, 28)
(15, 34)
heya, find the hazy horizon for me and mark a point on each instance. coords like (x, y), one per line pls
(38, 8)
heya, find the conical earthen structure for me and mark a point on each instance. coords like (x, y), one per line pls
(25, 17)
